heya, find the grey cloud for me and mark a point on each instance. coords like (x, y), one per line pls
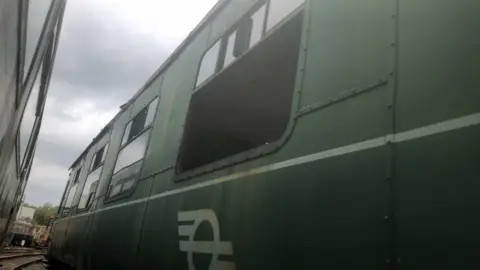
(60, 154)
(101, 59)
(99, 55)
(38, 194)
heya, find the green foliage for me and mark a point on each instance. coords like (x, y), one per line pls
(44, 213)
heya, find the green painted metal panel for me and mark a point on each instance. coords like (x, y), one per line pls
(146, 97)
(75, 249)
(103, 252)
(438, 61)
(437, 201)
(58, 242)
(348, 46)
(115, 247)
(102, 141)
(353, 120)
(176, 91)
(436, 177)
(74, 241)
(329, 216)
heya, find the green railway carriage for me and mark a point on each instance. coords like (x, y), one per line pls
(325, 134)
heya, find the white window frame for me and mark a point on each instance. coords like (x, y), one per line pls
(147, 128)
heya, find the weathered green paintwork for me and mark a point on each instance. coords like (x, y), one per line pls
(411, 204)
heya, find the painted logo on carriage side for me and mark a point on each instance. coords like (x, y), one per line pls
(215, 247)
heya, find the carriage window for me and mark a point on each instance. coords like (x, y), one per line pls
(229, 57)
(127, 131)
(242, 39)
(125, 179)
(87, 189)
(104, 153)
(70, 196)
(280, 9)
(28, 120)
(152, 109)
(99, 157)
(140, 121)
(133, 152)
(249, 32)
(129, 159)
(37, 14)
(245, 106)
(209, 64)
(116, 190)
(77, 175)
(258, 19)
(128, 184)
(93, 189)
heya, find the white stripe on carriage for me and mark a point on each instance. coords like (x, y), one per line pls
(441, 127)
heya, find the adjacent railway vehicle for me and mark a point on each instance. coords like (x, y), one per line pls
(324, 134)
(29, 34)
(21, 234)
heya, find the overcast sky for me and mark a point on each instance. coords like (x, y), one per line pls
(107, 50)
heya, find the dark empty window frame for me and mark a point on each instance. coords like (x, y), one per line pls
(140, 122)
(89, 189)
(248, 103)
(134, 145)
(99, 157)
(76, 177)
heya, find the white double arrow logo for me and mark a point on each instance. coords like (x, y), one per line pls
(214, 247)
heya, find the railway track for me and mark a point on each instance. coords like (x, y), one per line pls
(17, 250)
(20, 260)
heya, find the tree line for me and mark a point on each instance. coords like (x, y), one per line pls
(42, 214)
